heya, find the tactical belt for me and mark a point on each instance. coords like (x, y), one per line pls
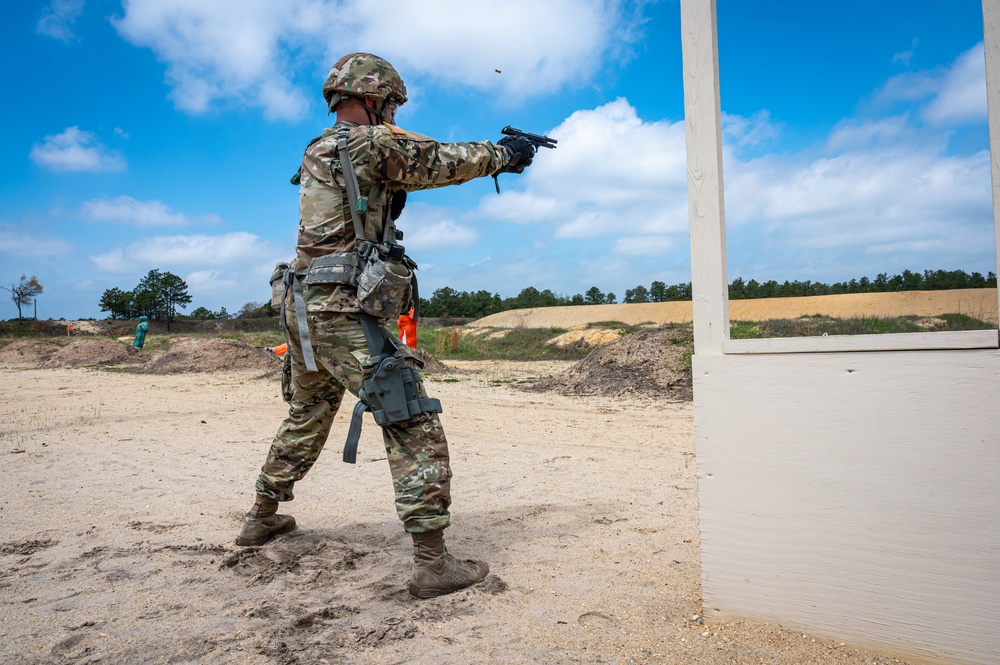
(333, 269)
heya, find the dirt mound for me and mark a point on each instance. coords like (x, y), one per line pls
(87, 327)
(654, 362)
(26, 353)
(196, 354)
(31, 353)
(211, 355)
(90, 352)
(586, 335)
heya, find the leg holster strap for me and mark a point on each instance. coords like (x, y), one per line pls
(354, 433)
(291, 281)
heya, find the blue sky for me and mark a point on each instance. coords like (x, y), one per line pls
(141, 134)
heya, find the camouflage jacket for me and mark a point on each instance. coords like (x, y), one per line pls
(386, 158)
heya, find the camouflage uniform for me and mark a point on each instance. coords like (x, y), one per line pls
(386, 159)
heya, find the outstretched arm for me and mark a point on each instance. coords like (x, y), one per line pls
(419, 162)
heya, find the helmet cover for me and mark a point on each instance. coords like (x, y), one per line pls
(366, 76)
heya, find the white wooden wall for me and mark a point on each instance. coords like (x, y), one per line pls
(849, 489)
(855, 495)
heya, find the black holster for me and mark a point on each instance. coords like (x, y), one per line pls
(391, 389)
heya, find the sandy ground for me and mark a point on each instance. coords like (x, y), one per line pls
(977, 303)
(123, 494)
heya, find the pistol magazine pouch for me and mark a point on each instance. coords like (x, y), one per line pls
(385, 288)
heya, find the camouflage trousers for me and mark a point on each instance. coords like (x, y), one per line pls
(416, 449)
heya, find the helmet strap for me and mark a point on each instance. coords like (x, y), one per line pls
(371, 110)
(335, 99)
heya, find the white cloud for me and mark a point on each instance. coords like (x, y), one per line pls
(518, 207)
(854, 133)
(229, 249)
(244, 49)
(19, 242)
(908, 88)
(903, 57)
(114, 260)
(612, 174)
(76, 150)
(953, 95)
(222, 49)
(587, 224)
(755, 130)
(881, 192)
(58, 18)
(644, 245)
(962, 95)
(910, 201)
(882, 185)
(143, 214)
(531, 56)
(230, 287)
(610, 156)
(608, 204)
(437, 236)
(209, 283)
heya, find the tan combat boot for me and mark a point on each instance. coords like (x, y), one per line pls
(436, 572)
(261, 523)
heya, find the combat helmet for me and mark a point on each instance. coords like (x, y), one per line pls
(367, 77)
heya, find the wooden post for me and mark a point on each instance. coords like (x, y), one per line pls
(991, 44)
(706, 209)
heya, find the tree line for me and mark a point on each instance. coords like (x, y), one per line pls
(250, 310)
(159, 294)
(156, 296)
(447, 302)
(929, 280)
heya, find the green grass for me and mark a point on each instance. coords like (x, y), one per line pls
(531, 343)
(153, 344)
(254, 338)
(964, 322)
(489, 343)
(818, 325)
(620, 326)
(29, 328)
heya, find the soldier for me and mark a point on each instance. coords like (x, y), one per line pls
(364, 91)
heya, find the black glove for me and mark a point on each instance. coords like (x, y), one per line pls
(396, 204)
(521, 153)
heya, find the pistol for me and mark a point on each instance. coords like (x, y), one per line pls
(536, 140)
